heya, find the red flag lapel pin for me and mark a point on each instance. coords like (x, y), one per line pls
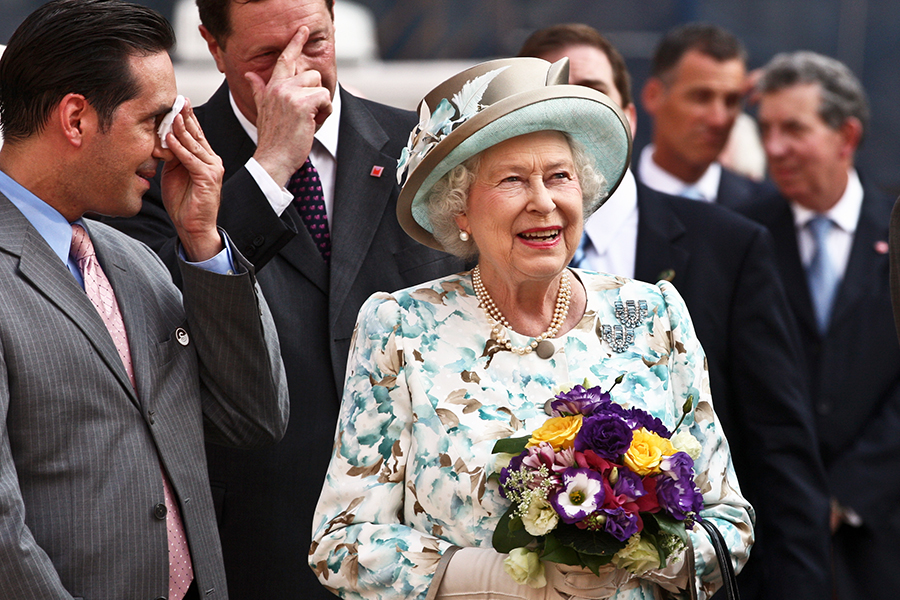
(376, 171)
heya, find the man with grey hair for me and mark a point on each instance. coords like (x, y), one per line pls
(831, 234)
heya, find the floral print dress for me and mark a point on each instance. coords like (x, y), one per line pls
(428, 392)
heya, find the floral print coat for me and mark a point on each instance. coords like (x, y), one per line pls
(428, 393)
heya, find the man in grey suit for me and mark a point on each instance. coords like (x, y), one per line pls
(281, 104)
(110, 377)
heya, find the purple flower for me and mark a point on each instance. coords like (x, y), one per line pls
(629, 485)
(579, 401)
(678, 466)
(606, 434)
(581, 494)
(675, 488)
(638, 418)
(620, 524)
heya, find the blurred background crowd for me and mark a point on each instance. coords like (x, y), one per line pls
(395, 51)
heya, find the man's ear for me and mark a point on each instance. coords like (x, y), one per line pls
(214, 48)
(851, 134)
(76, 118)
(651, 95)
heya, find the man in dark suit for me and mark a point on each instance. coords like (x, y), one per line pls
(723, 266)
(694, 94)
(831, 233)
(110, 377)
(263, 126)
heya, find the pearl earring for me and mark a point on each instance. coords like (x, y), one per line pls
(463, 235)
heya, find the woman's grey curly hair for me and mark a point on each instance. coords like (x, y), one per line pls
(450, 195)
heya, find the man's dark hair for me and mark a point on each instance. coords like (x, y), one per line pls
(75, 47)
(711, 40)
(561, 36)
(216, 16)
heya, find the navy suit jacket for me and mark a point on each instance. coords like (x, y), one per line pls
(736, 190)
(724, 267)
(265, 500)
(853, 372)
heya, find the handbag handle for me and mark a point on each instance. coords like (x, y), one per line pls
(723, 556)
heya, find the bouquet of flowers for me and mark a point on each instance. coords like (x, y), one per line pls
(597, 484)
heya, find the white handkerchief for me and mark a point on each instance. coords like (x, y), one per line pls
(166, 126)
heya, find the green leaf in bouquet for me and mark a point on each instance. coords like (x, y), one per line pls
(594, 562)
(510, 533)
(597, 543)
(557, 553)
(667, 524)
(510, 445)
(663, 531)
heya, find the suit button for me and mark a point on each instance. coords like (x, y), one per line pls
(160, 598)
(823, 409)
(259, 241)
(249, 251)
(159, 511)
(151, 416)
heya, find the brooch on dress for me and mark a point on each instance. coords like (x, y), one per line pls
(630, 315)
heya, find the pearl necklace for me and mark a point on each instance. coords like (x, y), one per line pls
(563, 297)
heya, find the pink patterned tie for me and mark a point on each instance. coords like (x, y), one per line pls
(101, 294)
(306, 187)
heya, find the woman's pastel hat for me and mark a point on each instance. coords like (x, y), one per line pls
(493, 102)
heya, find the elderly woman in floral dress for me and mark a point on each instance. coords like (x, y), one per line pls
(505, 164)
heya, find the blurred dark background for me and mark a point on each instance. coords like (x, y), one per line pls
(861, 33)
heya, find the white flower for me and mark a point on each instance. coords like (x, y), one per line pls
(683, 441)
(525, 566)
(501, 461)
(638, 556)
(540, 518)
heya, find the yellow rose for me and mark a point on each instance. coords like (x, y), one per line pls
(646, 451)
(559, 432)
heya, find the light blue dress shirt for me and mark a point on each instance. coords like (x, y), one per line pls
(57, 231)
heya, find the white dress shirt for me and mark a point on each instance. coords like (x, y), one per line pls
(323, 157)
(613, 231)
(656, 178)
(844, 216)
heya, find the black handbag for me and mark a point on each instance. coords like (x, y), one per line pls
(729, 579)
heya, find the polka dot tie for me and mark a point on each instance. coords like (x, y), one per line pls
(100, 292)
(306, 187)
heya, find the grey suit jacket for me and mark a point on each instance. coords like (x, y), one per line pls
(81, 450)
(265, 499)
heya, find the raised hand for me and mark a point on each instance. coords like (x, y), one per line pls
(290, 107)
(191, 187)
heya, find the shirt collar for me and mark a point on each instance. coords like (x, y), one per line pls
(612, 214)
(48, 222)
(844, 214)
(327, 134)
(661, 180)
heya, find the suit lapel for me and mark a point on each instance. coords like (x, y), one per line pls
(865, 263)
(659, 254)
(228, 137)
(360, 198)
(41, 267)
